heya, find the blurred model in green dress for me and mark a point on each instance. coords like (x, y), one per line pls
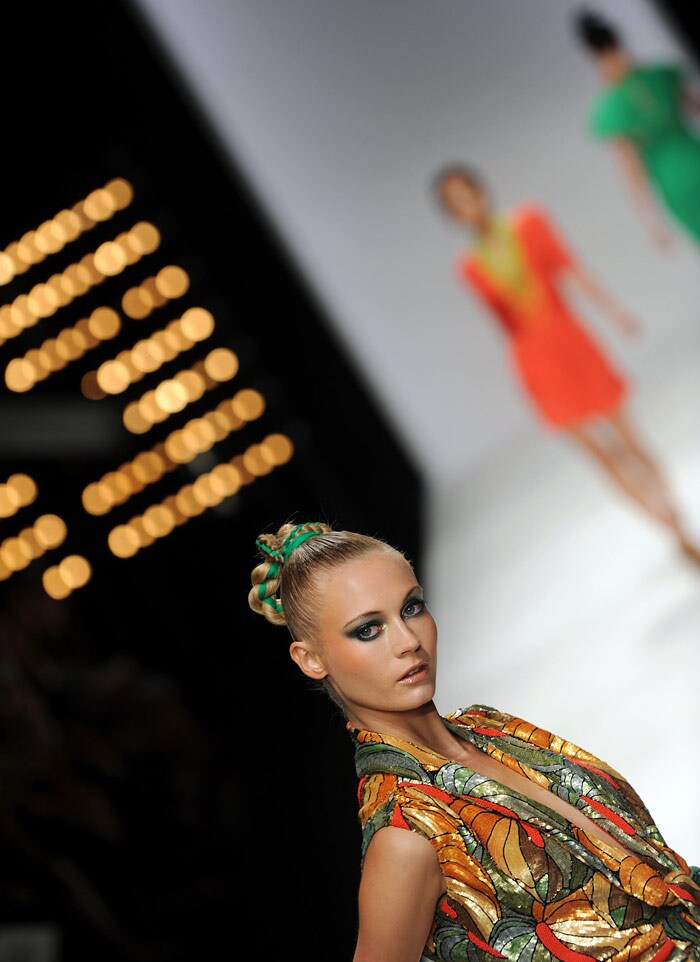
(643, 112)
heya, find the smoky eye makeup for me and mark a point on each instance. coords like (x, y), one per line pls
(413, 606)
(417, 602)
(364, 631)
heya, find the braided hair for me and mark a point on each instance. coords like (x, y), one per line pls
(284, 582)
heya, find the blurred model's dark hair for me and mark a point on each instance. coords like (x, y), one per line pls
(595, 32)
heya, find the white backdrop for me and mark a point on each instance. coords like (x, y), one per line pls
(339, 114)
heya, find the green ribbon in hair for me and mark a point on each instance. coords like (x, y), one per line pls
(295, 537)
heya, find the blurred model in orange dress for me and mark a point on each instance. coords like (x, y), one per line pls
(516, 265)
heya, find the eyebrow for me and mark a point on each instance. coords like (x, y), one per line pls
(372, 614)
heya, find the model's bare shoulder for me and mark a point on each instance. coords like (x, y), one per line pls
(400, 886)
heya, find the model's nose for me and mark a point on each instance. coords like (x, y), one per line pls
(403, 638)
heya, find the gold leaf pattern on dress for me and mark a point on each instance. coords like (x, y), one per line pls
(523, 883)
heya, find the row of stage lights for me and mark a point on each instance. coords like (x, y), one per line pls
(113, 377)
(49, 531)
(180, 447)
(23, 373)
(67, 225)
(45, 298)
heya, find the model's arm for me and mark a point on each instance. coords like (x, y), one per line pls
(691, 99)
(401, 883)
(642, 193)
(593, 289)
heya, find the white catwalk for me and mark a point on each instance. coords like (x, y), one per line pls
(558, 601)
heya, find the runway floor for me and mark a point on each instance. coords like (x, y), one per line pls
(559, 601)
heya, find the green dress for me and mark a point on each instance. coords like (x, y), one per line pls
(646, 108)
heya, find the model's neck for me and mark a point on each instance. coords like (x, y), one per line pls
(422, 726)
(485, 227)
(614, 67)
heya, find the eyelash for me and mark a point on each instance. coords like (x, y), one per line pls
(411, 603)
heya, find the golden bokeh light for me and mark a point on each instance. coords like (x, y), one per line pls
(201, 435)
(20, 313)
(20, 375)
(177, 447)
(278, 448)
(123, 541)
(110, 259)
(69, 224)
(248, 404)
(171, 396)
(122, 192)
(188, 502)
(147, 355)
(118, 485)
(24, 486)
(54, 585)
(203, 491)
(197, 323)
(144, 537)
(134, 420)
(221, 364)
(90, 388)
(7, 271)
(144, 237)
(104, 323)
(15, 553)
(8, 327)
(172, 281)
(254, 461)
(51, 356)
(228, 477)
(218, 423)
(158, 520)
(50, 530)
(74, 571)
(50, 237)
(113, 377)
(239, 464)
(36, 359)
(29, 539)
(26, 251)
(171, 504)
(99, 204)
(96, 499)
(9, 501)
(168, 341)
(192, 383)
(136, 303)
(148, 466)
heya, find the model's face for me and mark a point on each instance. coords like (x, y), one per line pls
(613, 65)
(376, 639)
(464, 201)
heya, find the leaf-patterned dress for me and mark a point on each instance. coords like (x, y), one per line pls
(524, 883)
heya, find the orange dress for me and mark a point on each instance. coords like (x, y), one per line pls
(562, 368)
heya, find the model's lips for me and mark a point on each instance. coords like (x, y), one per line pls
(416, 673)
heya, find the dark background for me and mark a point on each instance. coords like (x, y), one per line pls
(169, 783)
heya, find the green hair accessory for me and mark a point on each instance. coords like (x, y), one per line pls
(295, 538)
(280, 557)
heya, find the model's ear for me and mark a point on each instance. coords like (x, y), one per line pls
(308, 660)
